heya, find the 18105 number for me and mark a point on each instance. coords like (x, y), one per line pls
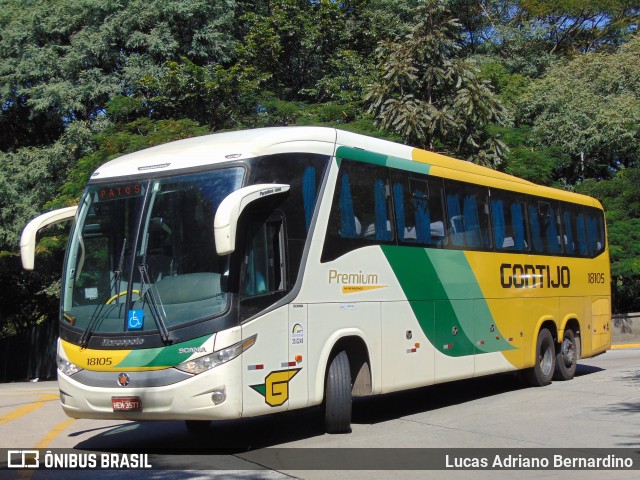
(596, 277)
(93, 361)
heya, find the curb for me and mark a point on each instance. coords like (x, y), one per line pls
(625, 345)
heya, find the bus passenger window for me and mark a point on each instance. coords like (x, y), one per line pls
(509, 231)
(361, 210)
(455, 224)
(468, 215)
(595, 232)
(418, 209)
(350, 226)
(581, 234)
(573, 227)
(544, 222)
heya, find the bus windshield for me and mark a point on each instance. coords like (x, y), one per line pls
(142, 256)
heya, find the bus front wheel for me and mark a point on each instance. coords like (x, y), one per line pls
(542, 372)
(567, 357)
(337, 417)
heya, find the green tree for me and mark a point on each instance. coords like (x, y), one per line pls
(289, 41)
(431, 96)
(26, 183)
(30, 177)
(620, 197)
(115, 141)
(62, 60)
(526, 36)
(527, 159)
(582, 25)
(214, 95)
(590, 107)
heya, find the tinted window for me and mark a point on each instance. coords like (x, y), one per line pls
(509, 225)
(544, 225)
(419, 209)
(594, 221)
(361, 210)
(573, 228)
(303, 172)
(467, 215)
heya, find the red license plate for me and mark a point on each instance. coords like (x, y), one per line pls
(126, 404)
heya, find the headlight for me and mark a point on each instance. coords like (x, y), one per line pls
(202, 364)
(66, 367)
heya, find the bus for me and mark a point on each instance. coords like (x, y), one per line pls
(251, 272)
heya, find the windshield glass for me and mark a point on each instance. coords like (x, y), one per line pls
(143, 255)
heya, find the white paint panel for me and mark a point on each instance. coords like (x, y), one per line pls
(269, 351)
(402, 367)
(488, 363)
(327, 324)
(298, 341)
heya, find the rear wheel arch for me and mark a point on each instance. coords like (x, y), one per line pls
(548, 323)
(573, 324)
(568, 347)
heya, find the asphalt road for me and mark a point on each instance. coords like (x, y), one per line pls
(599, 408)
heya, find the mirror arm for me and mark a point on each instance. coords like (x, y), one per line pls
(225, 223)
(28, 238)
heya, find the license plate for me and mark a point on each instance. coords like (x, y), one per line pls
(126, 404)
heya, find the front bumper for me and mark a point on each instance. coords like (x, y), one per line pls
(190, 398)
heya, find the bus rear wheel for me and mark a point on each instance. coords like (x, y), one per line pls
(337, 417)
(542, 372)
(567, 357)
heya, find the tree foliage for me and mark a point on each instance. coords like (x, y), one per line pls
(590, 106)
(545, 90)
(621, 199)
(63, 60)
(431, 96)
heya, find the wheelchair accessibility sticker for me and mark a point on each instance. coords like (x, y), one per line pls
(135, 319)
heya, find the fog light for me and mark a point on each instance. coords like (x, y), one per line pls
(219, 395)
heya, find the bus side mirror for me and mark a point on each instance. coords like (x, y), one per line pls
(28, 238)
(225, 223)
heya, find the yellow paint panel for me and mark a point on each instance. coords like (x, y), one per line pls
(552, 288)
(451, 168)
(96, 360)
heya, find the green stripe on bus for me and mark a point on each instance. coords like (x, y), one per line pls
(365, 156)
(446, 299)
(162, 356)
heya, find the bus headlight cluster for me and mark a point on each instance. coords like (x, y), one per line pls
(202, 364)
(66, 367)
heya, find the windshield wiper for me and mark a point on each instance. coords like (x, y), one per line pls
(157, 312)
(97, 313)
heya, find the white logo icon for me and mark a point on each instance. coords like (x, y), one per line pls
(23, 459)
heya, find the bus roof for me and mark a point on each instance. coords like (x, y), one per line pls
(219, 148)
(237, 145)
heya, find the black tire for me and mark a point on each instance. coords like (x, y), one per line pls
(578, 342)
(542, 372)
(337, 415)
(197, 427)
(567, 357)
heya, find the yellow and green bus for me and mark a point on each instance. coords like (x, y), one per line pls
(251, 272)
